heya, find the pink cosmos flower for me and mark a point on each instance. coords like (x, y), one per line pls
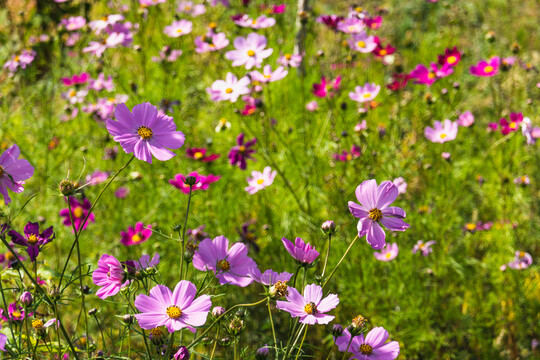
(79, 210)
(202, 182)
(332, 21)
(451, 57)
(231, 266)
(486, 68)
(32, 239)
(76, 79)
(229, 89)
(3, 340)
(100, 83)
(98, 26)
(326, 88)
(269, 277)
(278, 9)
(424, 248)
(200, 154)
(188, 7)
(300, 251)
(260, 180)
(145, 3)
(13, 172)
(144, 262)
(508, 126)
(466, 119)
(242, 152)
(176, 309)
(312, 106)
(137, 235)
(249, 51)
(372, 347)
(426, 76)
(268, 75)
(145, 133)
(178, 28)
(365, 93)
(22, 60)
(530, 132)
(15, 313)
(382, 51)
(97, 177)
(351, 26)
(441, 132)
(73, 23)
(400, 184)
(362, 42)
(522, 180)
(310, 308)
(210, 42)
(388, 253)
(374, 211)
(522, 260)
(290, 60)
(373, 23)
(110, 276)
(121, 192)
(348, 156)
(75, 96)
(167, 54)
(262, 22)
(96, 48)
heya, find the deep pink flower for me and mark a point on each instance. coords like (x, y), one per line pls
(13, 172)
(79, 210)
(300, 251)
(381, 51)
(15, 313)
(348, 156)
(423, 76)
(76, 79)
(242, 152)
(513, 124)
(372, 347)
(110, 276)
(231, 266)
(145, 133)
(311, 307)
(451, 57)
(331, 21)
(373, 23)
(200, 154)
(137, 235)
(202, 182)
(486, 68)
(400, 81)
(176, 309)
(375, 210)
(326, 88)
(32, 239)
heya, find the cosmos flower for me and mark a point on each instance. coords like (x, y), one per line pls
(268, 75)
(303, 253)
(331, 21)
(242, 152)
(249, 51)
(210, 42)
(312, 106)
(451, 57)
(110, 276)
(441, 132)
(373, 23)
(521, 261)
(145, 133)
(79, 211)
(365, 93)
(348, 156)
(326, 88)
(13, 172)
(351, 26)
(97, 177)
(399, 81)
(388, 253)
(200, 154)
(530, 132)
(424, 248)
(513, 124)
(311, 308)
(381, 51)
(167, 54)
(269, 277)
(22, 60)
(372, 347)
(136, 235)
(3, 340)
(466, 119)
(100, 83)
(73, 23)
(229, 89)
(290, 60)
(261, 22)
(231, 266)
(76, 79)
(202, 182)
(486, 68)
(400, 184)
(374, 210)
(188, 7)
(362, 42)
(522, 180)
(260, 180)
(15, 313)
(178, 28)
(176, 309)
(32, 239)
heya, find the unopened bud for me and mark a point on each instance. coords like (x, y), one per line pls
(26, 298)
(328, 227)
(218, 311)
(190, 180)
(337, 330)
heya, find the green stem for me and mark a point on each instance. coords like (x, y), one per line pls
(302, 343)
(341, 260)
(327, 255)
(273, 329)
(184, 234)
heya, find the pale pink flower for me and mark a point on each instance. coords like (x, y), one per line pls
(268, 75)
(229, 89)
(178, 28)
(249, 51)
(260, 180)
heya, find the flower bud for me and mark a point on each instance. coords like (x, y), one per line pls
(67, 187)
(127, 319)
(92, 347)
(26, 298)
(217, 311)
(225, 341)
(236, 326)
(206, 340)
(337, 330)
(262, 353)
(182, 354)
(190, 180)
(279, 289)
(92, 311)
(328, 227)
(157, 336)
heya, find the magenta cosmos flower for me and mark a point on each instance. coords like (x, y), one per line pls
(441, 132)
(201, 182)
(229, 89)
(250, 51)
(326, 88)
(200, 154)
(176, 309)
(79, 210)
(311, 307)
(374, 211)
(145, 132)
(300, 251)
(231, 266)
(13, 172)
(372, 347)
(33, 240)
(110, 276)
(486, 68)
(136, 235)
(388, 253)
(242, 152)
(451, 57)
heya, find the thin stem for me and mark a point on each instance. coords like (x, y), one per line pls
(196, 340)
(296, 336)
(302, 343)
(100, 330)
(215, 344)
(273, 329)
(184, 234)
(327, 255)
(341, 260)
(6, 309)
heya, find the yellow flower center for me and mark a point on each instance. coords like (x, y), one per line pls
(383, 52)
(1, 170)
(512, 125)
(267, 76)
(351, 28)
(358, 9)
(16, 314)
(521, 254)
(254, 22)
(32, 239)
(72, 93)
(198, 155)
(212, 25)
(228, 90)
(367, 95)
(375, 214)
(9, 256)
(223, 265)
(156, 332)
(443, 136)
(310, 308)
(421, 246)
(348, 157)
(83, 341)
(361, 44)
(78, 212)
(488, 69)
(37, 324)
(174, 312)
(523, 179)
(260, 181)
(366, 349)
(179, 31)
(288, 56)
(451, 59)
(241, 148)
(136, 238)
(388, 255)
(470, 226)
(251, 53)
(145, 132)
(431, 75)
(17, 58)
